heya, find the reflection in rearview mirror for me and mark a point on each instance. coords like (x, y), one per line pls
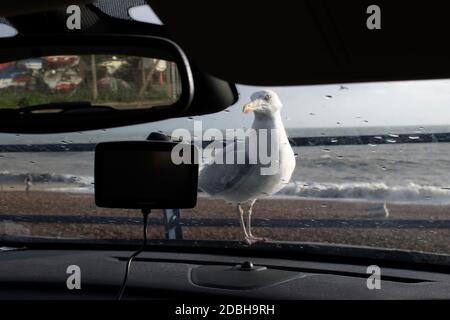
(118, 81)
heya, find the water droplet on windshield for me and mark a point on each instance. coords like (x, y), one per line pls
(226, 110)
(312, 114)
(391, 141)
(326, 150)
(414, 137)
(328, 96)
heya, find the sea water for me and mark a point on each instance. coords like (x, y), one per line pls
(402, 173)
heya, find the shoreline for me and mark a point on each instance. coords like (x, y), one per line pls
(68, 188)
(44, 203)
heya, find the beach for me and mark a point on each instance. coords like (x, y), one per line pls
(324, 214)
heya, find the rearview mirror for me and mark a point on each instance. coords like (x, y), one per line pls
(77, 83)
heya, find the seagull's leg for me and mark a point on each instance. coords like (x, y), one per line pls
(240, 212)
(249, 239)
(249, 218)
(249, 224)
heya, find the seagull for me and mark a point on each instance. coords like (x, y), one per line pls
(242, 184)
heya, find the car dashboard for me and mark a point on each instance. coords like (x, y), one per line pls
(43, 274)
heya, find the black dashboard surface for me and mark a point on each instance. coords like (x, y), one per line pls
(42, 274)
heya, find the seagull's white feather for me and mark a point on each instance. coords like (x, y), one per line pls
(219, 178)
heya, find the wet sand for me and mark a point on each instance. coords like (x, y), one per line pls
(58, 203)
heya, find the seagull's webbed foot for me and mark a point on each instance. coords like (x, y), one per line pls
(252, 240)
(259, 238)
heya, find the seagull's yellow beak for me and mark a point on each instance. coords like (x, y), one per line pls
(249, 107)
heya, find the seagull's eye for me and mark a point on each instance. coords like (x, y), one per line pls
(267, 97)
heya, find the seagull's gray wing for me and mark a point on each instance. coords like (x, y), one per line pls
(216, 178)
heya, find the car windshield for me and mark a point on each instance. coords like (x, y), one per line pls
(371, 169)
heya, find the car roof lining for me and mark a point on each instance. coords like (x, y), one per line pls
(310, 42)
(20, 7)
(296, 43)
(117, 9)
(106, 15)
